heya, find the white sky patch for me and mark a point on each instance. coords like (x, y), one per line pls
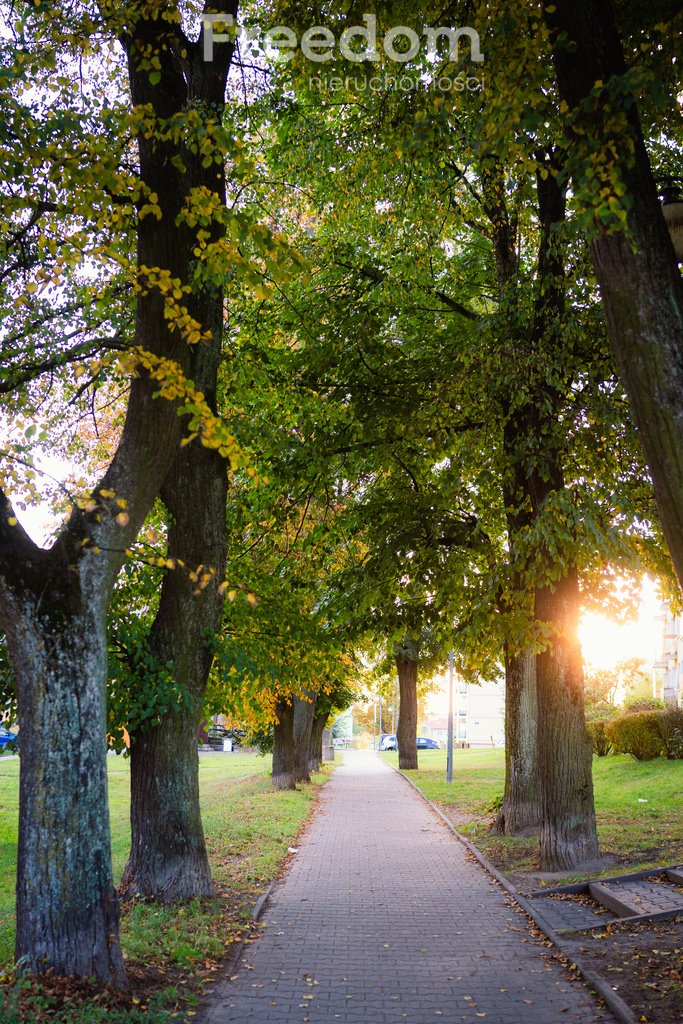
(605, 642)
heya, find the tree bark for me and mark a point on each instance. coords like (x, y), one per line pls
(642, 291)
(406, 732)
(520, 809)
(304, 713)
(168, 858)
(315, 755)
(284, 758)
(565, 753)
(67, 910)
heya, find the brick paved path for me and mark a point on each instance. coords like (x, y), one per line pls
(383, 918)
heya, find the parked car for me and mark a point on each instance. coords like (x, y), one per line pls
(8, 738)
(388, 741)
(425, 743)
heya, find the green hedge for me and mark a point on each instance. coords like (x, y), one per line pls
(598, 733)
(646, 734)
(670, 724)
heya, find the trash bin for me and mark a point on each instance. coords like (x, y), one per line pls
(227, 746)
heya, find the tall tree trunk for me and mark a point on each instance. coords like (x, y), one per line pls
(642, 291)
(406, 732)
(304, 713)
(315, 750)
(534, 440)
(67, 910)
(284, 757)
(565, 754)
(168, 858)
(565, 757)
(520, 809)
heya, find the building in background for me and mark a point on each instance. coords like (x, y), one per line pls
(669, 663)
(478, 716)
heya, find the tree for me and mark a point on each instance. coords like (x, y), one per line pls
(329, 704)
(407, 654)
(168, 858)
(284, 751)
(404, 396)
(635, 265)
(53, 604)
(280, 660)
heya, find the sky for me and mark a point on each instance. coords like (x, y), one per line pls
(605, 642)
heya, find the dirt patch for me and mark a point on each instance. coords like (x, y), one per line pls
(642, 963)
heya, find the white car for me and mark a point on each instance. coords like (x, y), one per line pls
(388, 742)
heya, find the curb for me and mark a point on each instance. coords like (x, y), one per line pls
(260, 905)
(616, 1004)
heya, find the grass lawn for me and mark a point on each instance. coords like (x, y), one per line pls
(172, 953)
(638, 804)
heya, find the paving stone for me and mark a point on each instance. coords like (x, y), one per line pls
(383, 909)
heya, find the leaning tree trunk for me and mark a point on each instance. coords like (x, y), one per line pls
(284, 757)
(304, 713)
(642, 290)
(406, 732)
(565, 754)
(67, 909)
(520, 809)
(53, 604)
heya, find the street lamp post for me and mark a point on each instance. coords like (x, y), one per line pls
(449, 754)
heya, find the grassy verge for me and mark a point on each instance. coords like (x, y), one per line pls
(638, 807)
(173, 954)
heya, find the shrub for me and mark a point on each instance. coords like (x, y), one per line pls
(601, 712)
(637, 734)
(632, 704)
(670, 724)
(599, 738)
